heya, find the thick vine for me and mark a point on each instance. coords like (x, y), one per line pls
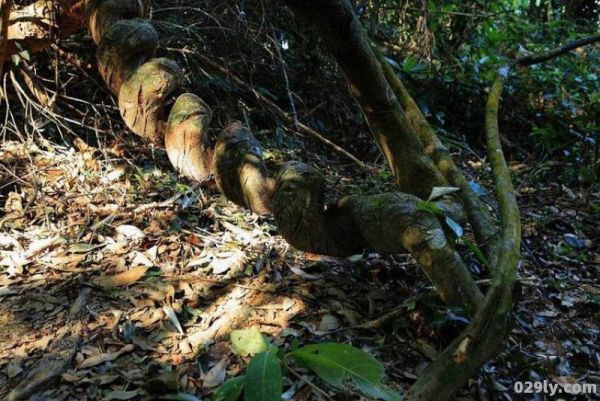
(154, 106)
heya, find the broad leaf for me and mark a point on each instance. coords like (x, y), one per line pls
(344, 366)
(393, 63)
(248, 342)
(409, 64)
(264, 381)
(230, 390)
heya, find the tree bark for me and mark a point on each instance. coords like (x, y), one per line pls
(345, 38)
(480, 219)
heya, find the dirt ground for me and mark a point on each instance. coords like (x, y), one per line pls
(120, 280)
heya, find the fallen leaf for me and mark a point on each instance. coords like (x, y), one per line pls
(13, 369)
(233, 260)
(302, 273)
(105, 357)
(41, 245)
(5, 291)
(328, 323)
(122, 279)
(83, 248)
(215, 376)
(127, 232)
(173, 318)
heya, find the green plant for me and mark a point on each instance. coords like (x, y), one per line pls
(340, 365)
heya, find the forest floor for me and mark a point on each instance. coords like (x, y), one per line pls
(197, 267)
(119, 279)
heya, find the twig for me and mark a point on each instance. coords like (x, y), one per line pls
(303, 129)
(286, 79)
(155, 205)
(311, 384)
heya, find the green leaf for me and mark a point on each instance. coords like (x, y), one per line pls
(475, 249)
(409, 64)
(344, 366)
(230, 390)
(430, 207)
(248, 342)
(264, 381)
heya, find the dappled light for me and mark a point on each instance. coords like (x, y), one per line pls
(299, 200)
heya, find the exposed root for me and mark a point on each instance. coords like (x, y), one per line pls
(35, 26)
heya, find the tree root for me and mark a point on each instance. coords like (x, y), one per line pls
(386, 223)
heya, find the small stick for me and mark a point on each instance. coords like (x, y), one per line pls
(303, 129)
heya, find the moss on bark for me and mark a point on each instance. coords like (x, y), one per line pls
(125, 46)
(386, 223)
(239, 169)
(102, 14)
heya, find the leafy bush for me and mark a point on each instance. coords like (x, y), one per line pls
(549, 110)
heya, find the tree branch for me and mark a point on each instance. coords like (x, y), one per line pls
(478, 216)
(540, 58)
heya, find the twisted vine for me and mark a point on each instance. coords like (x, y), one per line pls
(154, 105)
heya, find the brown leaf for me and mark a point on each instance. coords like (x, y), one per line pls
(122, 279)
(106, 357)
